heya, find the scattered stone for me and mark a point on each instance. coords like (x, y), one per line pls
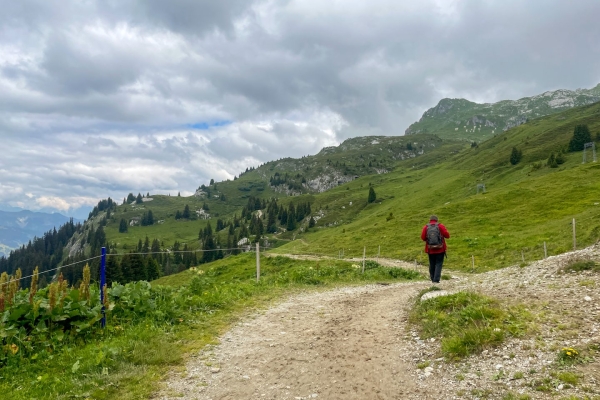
(215, 370)
(587, 298)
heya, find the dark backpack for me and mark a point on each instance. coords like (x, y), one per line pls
(434, 236)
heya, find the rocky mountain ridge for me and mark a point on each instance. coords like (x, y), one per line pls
(466, 120)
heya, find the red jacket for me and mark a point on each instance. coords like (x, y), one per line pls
(444, 233)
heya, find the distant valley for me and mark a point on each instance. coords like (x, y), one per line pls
(17, 228)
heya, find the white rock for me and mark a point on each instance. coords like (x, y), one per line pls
(215, 370)
(587, 298)
(428, 369)
(560, 387)
(499, 366)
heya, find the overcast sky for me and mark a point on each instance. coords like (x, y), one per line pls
(102, 98)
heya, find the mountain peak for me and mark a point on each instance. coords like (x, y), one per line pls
(464, 119)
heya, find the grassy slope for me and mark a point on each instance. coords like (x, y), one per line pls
(522, 208)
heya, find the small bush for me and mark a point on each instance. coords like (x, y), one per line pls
(581, 265)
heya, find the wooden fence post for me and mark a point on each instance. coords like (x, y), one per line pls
(364, 254)
(574, 236)
(257, 262)
(545, 251)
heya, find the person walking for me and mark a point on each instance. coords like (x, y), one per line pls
(434, 235)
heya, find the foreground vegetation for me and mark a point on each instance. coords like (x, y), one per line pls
(467, 322)
(53, 346)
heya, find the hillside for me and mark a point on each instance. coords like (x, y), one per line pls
(524, 205)
(287, 180)
(466, 120)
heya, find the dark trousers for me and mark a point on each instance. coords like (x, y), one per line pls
(435, 266)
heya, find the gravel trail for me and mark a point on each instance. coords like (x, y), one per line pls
(340, 344)
(354, 343)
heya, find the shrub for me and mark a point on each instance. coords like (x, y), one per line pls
(580, 265)
(515, 156)
(552, 161)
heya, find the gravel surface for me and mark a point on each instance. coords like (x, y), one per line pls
(355, 343)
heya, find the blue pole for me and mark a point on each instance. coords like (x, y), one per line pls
(102, 284)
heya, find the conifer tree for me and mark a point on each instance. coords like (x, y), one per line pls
(153, 268)
(123, 226)
(581, 136)
(113, 271)
(372, 196)
(186, 212)
(138, 267)
(515, 156)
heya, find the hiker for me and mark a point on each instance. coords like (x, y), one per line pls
(433, 235)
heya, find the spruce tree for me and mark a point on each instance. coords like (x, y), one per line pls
(311, 222)
(138, 267)
(113, 270)
(138, 199)
(581, 136)
(123, 226)
(126, 271)
(372, 196)
(186, 212)
(515, 156)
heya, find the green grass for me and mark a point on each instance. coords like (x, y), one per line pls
(467, 322)
(513, 396)
(133, 355)
(581, 265)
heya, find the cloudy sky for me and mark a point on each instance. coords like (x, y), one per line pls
(101, 98)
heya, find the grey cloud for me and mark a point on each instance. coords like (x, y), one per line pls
(110, 86)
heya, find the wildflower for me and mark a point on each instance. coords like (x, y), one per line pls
(84, 288)
(14, 348)
(52, 295)
(34, 282)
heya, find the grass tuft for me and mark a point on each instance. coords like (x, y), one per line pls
(467, 322)
(581, 265)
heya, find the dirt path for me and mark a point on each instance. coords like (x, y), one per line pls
(341, 344)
